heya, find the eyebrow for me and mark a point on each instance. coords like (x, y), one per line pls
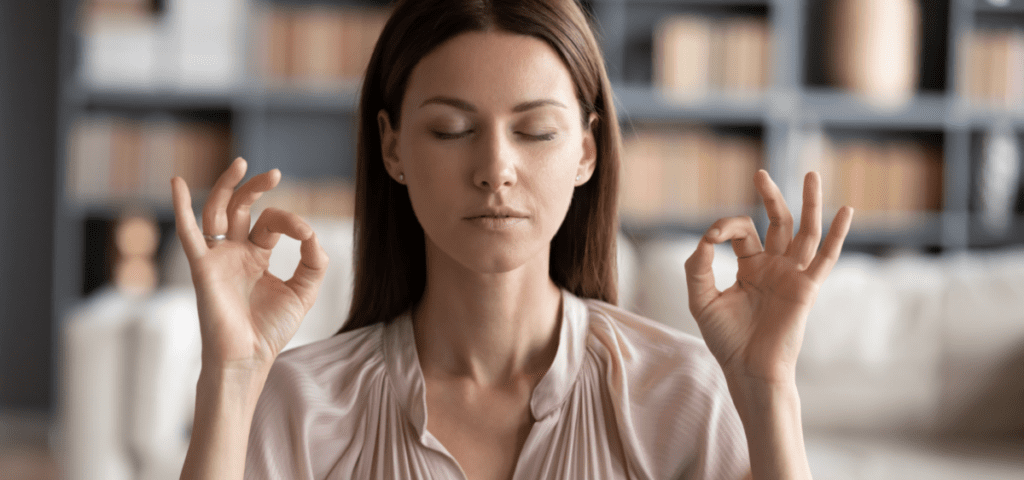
(469, 107)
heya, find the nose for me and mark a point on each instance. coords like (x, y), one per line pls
(496, 167)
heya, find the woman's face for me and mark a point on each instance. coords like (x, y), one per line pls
(490, 146)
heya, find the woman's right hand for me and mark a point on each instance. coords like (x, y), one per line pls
(246, 314)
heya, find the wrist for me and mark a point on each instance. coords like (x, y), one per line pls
(771, 418)
(754, 395)
(233, 382)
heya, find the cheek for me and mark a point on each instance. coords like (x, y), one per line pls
(555, 178)
(435, 169)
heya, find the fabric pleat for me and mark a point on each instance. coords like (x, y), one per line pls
(624, 398)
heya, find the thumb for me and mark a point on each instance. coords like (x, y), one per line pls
(700, 279)
(310, 272)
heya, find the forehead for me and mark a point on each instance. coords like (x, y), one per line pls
(492, 70)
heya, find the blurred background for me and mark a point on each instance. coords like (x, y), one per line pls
(913, 110)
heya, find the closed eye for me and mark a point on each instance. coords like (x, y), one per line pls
(543, 137)
(451, 135)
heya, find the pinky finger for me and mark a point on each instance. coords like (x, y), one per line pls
(185, 220)
(823, 262)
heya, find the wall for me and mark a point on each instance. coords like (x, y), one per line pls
(28, 120)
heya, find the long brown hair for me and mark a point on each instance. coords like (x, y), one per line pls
(390, 257)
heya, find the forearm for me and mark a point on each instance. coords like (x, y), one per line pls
(225, 403)
(771, 420)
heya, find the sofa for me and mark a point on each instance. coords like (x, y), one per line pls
(912, 365)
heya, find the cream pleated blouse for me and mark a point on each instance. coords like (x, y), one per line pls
(624, 398)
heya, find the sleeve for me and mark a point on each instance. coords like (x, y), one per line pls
(277, 448)
(721, 450)
(677, 409)
(308, 417)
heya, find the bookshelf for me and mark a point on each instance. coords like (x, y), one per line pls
(300, 118)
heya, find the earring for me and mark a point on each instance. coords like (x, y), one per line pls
(401, 177)
(577, 178)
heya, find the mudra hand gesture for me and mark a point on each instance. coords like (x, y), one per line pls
(246, 314)
(755, 327)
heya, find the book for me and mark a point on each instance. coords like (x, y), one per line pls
(688, 174)
(115, 160)
(192, 45)
(895, 177)
(992, 67)
(205, 43)
(318, 47)
(695, 56)
(682, 57)
(641, 180)
(318, 44)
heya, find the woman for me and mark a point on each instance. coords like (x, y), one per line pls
(483, 341)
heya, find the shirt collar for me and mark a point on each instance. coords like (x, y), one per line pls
(403, 364)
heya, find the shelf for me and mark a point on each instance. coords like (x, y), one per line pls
(336, 100)
(138, 99)
(698, 3)
(987, 6)
(837, 108)
(981, 236)
(982, 117)
(115, 210)
(341, 100)
(904, 230)
(693, 224)
(907, 230)
(638, 103)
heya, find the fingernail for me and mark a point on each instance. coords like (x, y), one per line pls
(713, 233)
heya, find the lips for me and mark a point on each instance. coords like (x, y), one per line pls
(500, 212)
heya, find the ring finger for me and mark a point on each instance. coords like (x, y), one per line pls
(780, 227)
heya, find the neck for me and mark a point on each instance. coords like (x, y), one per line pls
(488, 328)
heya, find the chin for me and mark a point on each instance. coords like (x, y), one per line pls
(486, 256)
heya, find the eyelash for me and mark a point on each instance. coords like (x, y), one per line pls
(546, 137)
(451, 136)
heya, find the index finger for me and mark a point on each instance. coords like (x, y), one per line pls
(700, 278)
(185, 220)
(310, 272)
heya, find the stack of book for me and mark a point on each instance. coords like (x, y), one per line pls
(690, 174)
(331, 197)
(697, 56)
(190, 45)
(883, 179)
(115, 160)
(318, 46)
(992, 71)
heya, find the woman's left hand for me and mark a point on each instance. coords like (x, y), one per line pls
(755, 327)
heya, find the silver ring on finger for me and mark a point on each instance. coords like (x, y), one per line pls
(215, 238)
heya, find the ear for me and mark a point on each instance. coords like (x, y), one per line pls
(589, 160)
(389, 146)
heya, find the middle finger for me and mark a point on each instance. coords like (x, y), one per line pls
(215, 217)
(805, 244)
(240, 206)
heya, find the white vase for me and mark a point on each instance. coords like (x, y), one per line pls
(874, 49)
